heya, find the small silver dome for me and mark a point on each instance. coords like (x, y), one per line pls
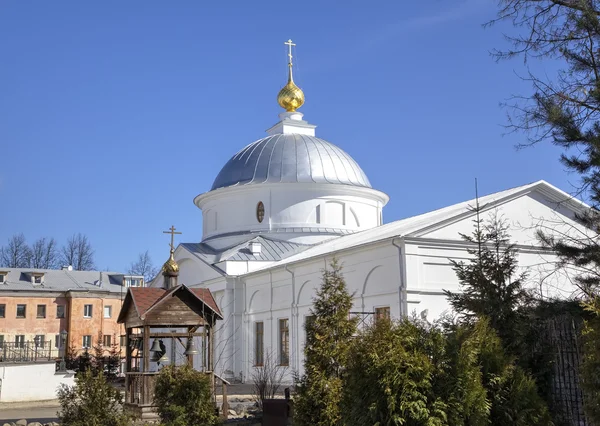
(291, 158)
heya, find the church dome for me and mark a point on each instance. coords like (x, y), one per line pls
(291, 158)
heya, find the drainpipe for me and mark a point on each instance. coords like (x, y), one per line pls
(402, 271)
(293, 321)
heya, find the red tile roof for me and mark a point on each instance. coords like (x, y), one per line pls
(145, 298)
(206, 296)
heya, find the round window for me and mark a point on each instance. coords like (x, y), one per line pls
(260, 211)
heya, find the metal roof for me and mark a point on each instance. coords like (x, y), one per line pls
(290, 158)
(271, 250)
(60, 280)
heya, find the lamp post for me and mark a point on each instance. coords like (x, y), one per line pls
(63, 340)
(36, 345)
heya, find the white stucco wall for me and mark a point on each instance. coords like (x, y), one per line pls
(290, 206)
(31, 382)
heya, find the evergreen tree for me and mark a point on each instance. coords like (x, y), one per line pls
(563, 110)
(98, 360)
(113, 362)
(490, 284)
(328, 339)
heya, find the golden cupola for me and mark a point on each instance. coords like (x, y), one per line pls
(290, 97)
(171, 267)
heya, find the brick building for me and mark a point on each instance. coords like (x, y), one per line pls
(37, 304)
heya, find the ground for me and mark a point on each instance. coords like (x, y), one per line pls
(39, 411)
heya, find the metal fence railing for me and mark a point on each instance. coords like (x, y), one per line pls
(29, 351)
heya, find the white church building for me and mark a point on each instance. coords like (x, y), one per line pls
(284, 206)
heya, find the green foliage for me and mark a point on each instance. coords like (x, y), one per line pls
(92, 401)
(328, 339)
(390, 377)
(183, 397)
(511, 391)
(590, 368)
(113, 362)
(97, 360)
(414, 373)
(490, 285)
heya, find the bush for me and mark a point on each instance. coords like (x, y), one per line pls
(183, 397)
(91, 402)
(390, 378)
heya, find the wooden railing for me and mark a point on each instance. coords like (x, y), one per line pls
(139, 388)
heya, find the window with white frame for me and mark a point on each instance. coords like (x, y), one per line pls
(39, 341)
(87, 341)
(87, 311)
(20, 340)
(107, 340)
(107, 311)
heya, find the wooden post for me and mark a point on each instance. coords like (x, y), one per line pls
(225, 402)
(127, 363)
(146, 349)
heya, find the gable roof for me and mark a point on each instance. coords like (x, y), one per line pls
(411, 226)
(144, 299)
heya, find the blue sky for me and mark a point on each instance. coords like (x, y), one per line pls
(114, 115)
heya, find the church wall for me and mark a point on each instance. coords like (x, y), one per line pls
(430, 272)
(371, 274)
(524, 215)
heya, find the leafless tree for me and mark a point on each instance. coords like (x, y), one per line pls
(78, 253)
(44, 254)
(266, 379)
(16, 253)
(143, 266)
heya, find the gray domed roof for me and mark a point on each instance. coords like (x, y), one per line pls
(291, 158)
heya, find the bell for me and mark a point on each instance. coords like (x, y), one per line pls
(139, 345)
(190, 348)
(155, 346)
(163, 359)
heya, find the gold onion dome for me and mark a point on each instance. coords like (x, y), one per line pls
(171, 267)
(290, 97)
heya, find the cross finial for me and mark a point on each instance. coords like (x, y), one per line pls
(172, 232)
(289, 45)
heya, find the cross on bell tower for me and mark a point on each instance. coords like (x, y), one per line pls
(170, 269)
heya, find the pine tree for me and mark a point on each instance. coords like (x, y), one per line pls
(113, 363)
(490, 284)
(328, 339)
(98, 360)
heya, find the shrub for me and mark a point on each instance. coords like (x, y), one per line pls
(183, 397)
(390, 378)
(92, 401)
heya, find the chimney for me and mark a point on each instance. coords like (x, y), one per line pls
(255, 248)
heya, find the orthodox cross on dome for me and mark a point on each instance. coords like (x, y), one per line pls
(290, 97)
(172, 232)
(289, 45)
